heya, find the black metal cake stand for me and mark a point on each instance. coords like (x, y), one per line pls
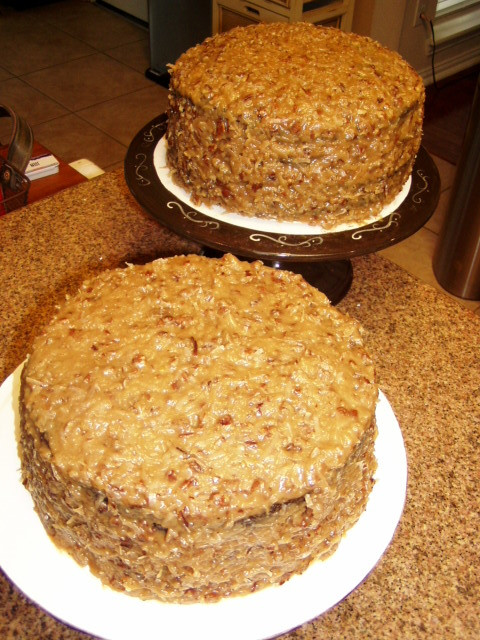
(324, 259)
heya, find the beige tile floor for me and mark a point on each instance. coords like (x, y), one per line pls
(76, 71)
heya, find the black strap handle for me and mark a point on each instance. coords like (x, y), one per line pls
(19, 148)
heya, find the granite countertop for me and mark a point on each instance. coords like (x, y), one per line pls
(427, 352)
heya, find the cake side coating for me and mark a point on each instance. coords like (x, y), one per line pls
(293, 121)
(176, 412)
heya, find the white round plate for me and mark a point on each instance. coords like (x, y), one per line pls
(52, 580)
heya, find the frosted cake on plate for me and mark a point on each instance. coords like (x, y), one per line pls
(197, 428)
(295, 123)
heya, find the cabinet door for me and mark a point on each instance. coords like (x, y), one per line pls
(228, 14)
(234, 13)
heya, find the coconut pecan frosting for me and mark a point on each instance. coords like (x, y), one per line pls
(294, 122)
(195, 428)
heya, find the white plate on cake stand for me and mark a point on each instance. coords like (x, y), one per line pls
(52, 580)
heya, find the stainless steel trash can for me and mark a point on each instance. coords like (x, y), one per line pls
(456, 261)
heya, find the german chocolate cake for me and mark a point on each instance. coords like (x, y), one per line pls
(196, 428)
(295, 123)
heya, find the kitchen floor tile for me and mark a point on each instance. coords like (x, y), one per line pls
(90, 80)
(414, 254)
(447, 172)
(11, 19)
(71, 138)
(4, 74)
(115, 165)
(38, 46)
(33, 105)
(95, 25)
(131, 111)
(135, 54)
(436, 221)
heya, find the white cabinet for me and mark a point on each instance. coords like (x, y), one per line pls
(231, 13)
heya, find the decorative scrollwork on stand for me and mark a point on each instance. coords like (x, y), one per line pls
(282, 240)
(191, 215)
(416, 196)
(392, 219)
(149, 134)
(140, 167)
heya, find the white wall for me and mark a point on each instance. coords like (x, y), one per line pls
(394, 23)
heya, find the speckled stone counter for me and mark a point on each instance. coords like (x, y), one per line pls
(427, 351)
